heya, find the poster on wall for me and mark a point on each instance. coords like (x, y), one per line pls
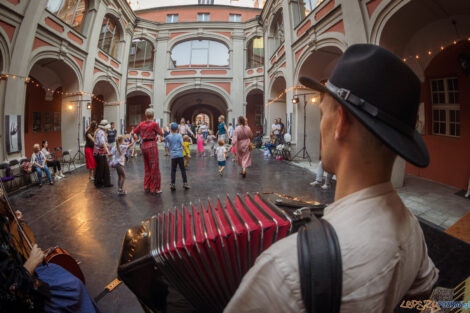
(264, 125)
(36, 122)
(421, 119)
(122, 127)
(57, 121)
(13, 133)
(47, 122)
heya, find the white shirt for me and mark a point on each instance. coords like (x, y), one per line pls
(221, 150)
(384, 258)
(203, 128)
(230, 131)
(276, 129)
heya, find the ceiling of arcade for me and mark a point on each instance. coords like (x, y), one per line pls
(194, 99)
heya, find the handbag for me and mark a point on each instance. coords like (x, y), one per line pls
(251, 146)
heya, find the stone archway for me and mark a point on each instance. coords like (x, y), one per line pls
(318, 64)
(51, 114)
(192, 102)
(255, 111)
(106, 107)
(277, 106)
(137, 102)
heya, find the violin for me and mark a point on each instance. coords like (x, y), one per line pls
(24, 240)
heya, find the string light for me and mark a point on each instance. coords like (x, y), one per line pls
(417, 56)
(33, 83)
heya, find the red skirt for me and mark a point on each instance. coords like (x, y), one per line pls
(90, 160)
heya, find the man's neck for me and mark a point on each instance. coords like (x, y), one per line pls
(353, 176)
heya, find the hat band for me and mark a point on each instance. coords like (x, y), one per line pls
(371, 109)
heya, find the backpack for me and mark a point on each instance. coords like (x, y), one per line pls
(26, 167)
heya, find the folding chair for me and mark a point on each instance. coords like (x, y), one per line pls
(7, 176)
(28, 175)
(67, 159)
(16, 171)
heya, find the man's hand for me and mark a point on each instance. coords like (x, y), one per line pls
(19, 215)
(35, 258)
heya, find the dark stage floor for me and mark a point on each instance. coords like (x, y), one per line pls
(90, 223)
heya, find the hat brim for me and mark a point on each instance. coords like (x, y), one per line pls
(410, 147)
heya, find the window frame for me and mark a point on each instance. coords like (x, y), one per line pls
(275, 38)
(172, 15)
(298, 13)
(74, 14)
(149, 59)
(202, 14)
(208, 49)
(446, 107)
(116, 30)
(250, 46)
(238, 16)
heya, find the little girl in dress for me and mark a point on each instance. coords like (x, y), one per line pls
(200, 144)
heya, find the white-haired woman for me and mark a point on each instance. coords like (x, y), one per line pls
(38, 160)
(148, 131)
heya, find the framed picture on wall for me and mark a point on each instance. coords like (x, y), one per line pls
(47, 122)
(57, 122)
(36, 122)
(86, 124)
(13, 133)
(123, 130)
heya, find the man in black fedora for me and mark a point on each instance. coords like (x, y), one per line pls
(369, 108)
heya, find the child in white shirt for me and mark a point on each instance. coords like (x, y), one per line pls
(221, 151)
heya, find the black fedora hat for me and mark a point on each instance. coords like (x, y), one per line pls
(383, 93)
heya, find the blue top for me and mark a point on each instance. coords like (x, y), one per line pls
(174, 142)
(221, 128)
(112, 135)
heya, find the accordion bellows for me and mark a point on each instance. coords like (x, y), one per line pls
(203, 251)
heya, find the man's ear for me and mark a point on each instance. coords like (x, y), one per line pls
(343, 123)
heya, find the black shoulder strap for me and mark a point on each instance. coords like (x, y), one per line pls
(320, 267)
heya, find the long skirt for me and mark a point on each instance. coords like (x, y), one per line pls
(102, 175)
(89, 159)
(68, 294)
(244, 153)
(152, 177)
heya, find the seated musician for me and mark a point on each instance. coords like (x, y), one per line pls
(29, 286)
(369, 108)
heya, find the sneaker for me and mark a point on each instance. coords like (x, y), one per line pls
(220, 173)
(40, 185)
(325, 186)
(61, 175)
(51, 183)
(92, 178)
(316, 183)
(172, 187)
(158, 192)
(186, 186)
(467, 195)
(122, 192)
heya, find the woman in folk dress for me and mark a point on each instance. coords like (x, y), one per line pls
(241, 140)
(148, 131)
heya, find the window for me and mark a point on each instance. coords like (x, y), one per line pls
(235, 18)
(71, 12)
(141, 56)
(303, 7)
(255, 52)
(172, 18)
(200, 53)
(203, 17)
(445, 107)
(277, 30)
(205, 1)
(109, 36)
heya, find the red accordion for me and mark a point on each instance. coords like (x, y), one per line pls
(203, 251)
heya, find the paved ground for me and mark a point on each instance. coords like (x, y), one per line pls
(431, 201)
(91, 222)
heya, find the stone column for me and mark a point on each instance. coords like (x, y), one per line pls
(15, 90)
(161, 65)
(237, 90)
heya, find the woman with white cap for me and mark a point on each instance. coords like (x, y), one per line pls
(100, 152)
